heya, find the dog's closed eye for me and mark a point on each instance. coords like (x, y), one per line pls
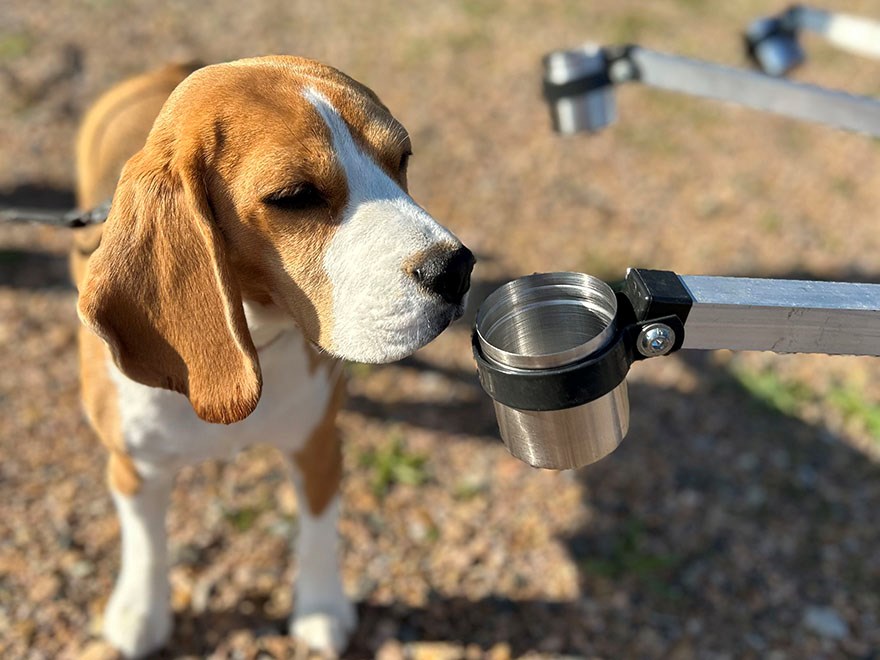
(404, 162)
(302, 197)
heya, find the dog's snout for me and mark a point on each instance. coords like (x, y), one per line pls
(447, 274)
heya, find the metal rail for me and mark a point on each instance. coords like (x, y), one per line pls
(783, 316)
(579, 84)
(855, 34)
(772, 42)
(784, 97)
(72, 219)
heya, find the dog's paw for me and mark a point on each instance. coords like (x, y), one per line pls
(327, 629)
(135, 627)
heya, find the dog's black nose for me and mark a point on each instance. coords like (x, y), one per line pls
(447, 274)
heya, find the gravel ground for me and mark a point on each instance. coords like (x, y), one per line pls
(740, 518)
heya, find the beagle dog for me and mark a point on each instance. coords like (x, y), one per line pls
(260, 233)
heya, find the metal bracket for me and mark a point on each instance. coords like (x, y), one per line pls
(773, 45)
(579, 85)
(755, 314)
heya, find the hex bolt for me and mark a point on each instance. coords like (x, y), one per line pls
(621, 71)
(655, 339)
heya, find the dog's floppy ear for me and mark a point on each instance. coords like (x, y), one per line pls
(160, 292)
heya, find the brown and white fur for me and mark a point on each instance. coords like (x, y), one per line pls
(259, 232)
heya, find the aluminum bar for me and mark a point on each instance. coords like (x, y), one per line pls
(852, 33)
(756, 90)
(784, 316)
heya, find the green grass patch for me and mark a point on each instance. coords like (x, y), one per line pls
(844, 185)
(432, 535)
(789, 398)
(629, 557)
(793, 138)
(480, 9)
(604, 264)
(393, 464)
(359, 369)
(418, 51)
(693, 5)
(774, 392)
(468, 490)
(631, 27)
(242, 519)
(771, 222)
(647, 139)
(102, 4)
(470, 39)
(14, 45)
(853, 405)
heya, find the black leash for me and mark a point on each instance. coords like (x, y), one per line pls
(74, 219)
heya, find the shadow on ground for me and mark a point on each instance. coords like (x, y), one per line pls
(673, 510)
(26, 269)
(35, 269)
(718, 517)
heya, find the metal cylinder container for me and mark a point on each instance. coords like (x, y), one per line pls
(591, 111)
(547, 321)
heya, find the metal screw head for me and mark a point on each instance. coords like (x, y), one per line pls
(655, 339)
(621, 71)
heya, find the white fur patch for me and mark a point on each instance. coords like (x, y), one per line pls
(323, 616)
(162, 432)
(138, 618)
(380, 313)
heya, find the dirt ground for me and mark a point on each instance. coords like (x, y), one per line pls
(739, 519)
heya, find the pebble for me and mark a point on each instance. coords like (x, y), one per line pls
(277, 646)
(390, 650)
(81, 569)
(434, 651)
(825, 622)
(44, 587)
(500, 651)
(97, 650)
(739, 582)
(201, 594)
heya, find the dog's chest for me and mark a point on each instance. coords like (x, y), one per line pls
(160, 429)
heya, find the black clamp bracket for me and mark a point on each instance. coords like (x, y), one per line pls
(598, 80)
(646, 299)
(783, 25)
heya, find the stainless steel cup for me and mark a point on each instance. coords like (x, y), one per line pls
(591, 111)
(546, 321)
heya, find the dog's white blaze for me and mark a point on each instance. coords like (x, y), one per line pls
(379, 312)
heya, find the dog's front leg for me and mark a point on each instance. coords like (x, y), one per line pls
(323, 615)
(138, 617)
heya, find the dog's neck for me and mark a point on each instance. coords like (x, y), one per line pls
(266, 323)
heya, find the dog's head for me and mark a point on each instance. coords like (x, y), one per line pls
(279, 181)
